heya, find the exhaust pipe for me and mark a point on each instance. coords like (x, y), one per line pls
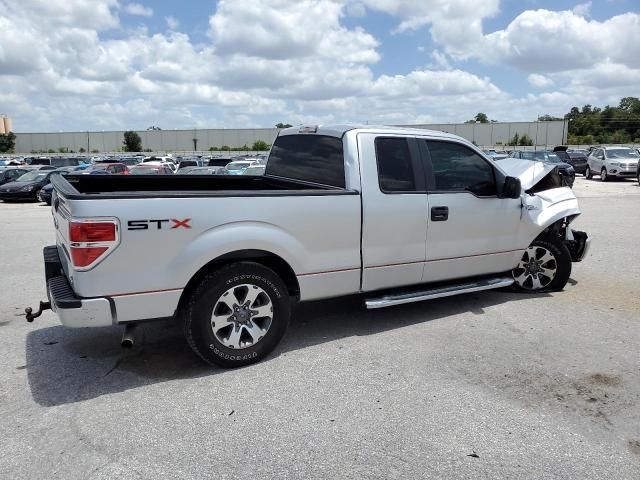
(128, 337)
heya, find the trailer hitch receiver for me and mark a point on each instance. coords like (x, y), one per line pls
(29, 311)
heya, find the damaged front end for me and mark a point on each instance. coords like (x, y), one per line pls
(549, 206)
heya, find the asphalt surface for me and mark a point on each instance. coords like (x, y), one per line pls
(488, 385)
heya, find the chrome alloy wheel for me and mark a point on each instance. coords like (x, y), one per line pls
(536, 269)
(242, 316)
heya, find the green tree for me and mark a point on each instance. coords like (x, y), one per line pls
(260, 146)
(514, 141)
(481, 118)
(7, 142)
(82, 150)
(213, 149)
(525, 141)
(548, 118)
(283, 125)
(132, 142)
(225, 148)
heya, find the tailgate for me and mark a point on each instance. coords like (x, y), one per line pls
(82, 241)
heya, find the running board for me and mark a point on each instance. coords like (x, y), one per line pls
(438, 292)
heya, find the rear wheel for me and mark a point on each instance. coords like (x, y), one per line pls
(545, 267)
(237, 314)
(587, 173)
(603, 175)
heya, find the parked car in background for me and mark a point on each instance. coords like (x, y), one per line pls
(10, 174)
(150, 169)
(191, 162)
(44, 195)
(130, 161)
(495, 154)
(612, 162)
(238, 167)
(577, 159)
(565, 170)
(205, 171)
(164, 161)
(25, 187)
(111, 168)
(219, 161)
(255, 170)
(185, 170)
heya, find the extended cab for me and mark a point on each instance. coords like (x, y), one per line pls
(397, 215)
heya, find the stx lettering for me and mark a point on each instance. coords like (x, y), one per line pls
(158, 224)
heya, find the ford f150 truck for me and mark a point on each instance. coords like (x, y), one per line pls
(396, 215)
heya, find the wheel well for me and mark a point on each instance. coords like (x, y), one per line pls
(270, 260)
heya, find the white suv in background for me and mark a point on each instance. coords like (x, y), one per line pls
(619, 162)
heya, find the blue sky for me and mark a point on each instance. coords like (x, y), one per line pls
(111, 64)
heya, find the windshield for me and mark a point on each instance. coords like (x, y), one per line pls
(32, 176)
(621, 153)
(98, 166)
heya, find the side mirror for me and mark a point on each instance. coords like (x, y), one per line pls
(512, 188)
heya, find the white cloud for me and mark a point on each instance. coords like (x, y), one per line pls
(583, 9)
(138, 9)
(172, 22)
(539, 81)
(546, 41)
(286, 29)
(297, 61)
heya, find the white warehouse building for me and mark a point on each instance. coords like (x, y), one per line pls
(483, 134)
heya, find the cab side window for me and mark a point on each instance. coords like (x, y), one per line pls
(458, 168)
(395, 170)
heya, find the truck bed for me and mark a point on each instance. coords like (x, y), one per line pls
(79, 187)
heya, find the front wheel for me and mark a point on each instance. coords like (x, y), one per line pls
(237, 314)
(587, 173)
(603, 175)
(545, 267)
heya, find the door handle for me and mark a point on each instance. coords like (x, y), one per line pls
(439, 214)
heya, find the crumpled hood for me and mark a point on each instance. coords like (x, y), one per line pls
(529, 173)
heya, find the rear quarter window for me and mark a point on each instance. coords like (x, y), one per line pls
(310, 158)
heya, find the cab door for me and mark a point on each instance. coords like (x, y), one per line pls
(471, 231)
(394, 206)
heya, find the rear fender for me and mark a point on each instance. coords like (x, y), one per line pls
(233, 237)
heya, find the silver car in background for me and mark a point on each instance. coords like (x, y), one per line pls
(608, 162)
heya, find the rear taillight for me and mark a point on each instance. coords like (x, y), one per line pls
(91, 240)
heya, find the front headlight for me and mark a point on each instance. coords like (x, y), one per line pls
(28, 188)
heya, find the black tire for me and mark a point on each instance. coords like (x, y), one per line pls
(562, 259)
(603, 175)
(587, 173)
(197, 314)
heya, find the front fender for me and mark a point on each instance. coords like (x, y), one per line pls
(545, 208)
(233, 237)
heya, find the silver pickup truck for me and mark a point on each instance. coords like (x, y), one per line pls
(396, 215)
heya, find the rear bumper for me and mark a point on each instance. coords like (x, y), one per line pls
(73, 311)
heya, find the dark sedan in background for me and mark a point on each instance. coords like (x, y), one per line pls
(566, 170)
(26, 187)
(576, 158)
(10, 174)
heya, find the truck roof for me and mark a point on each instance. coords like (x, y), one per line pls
(339, 130)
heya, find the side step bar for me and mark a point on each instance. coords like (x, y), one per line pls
(438, 292)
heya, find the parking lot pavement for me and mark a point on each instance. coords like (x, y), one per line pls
(487, 385)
